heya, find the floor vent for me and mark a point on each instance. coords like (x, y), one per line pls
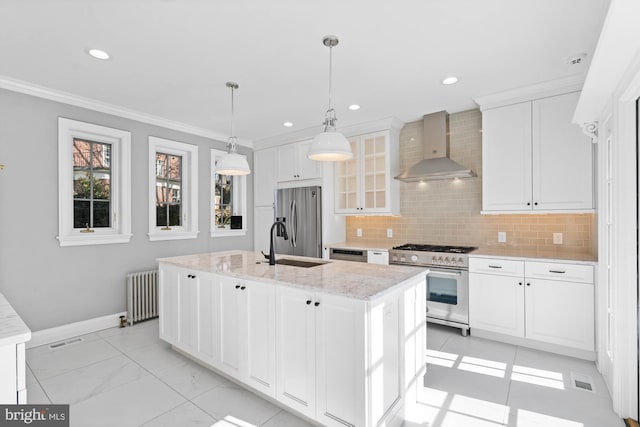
(582, 382)
(65, 343)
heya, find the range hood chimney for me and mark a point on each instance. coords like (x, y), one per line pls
(436, 164)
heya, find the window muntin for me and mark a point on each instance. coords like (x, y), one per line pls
(91, 184)
(168, 187)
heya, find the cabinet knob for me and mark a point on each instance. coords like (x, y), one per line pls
(528, 284)
(528, 203)
(520, 283)
(308, 301)
(536, 203)
(317, 303)
(242, 288)
(237, 286)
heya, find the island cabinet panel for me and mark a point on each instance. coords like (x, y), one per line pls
(168, 288)
(207, 321)
(296, 349)
(247, 332)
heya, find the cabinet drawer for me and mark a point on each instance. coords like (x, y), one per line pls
(378, 257)
(497, 266)
(559, 271)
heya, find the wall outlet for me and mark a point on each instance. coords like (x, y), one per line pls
(389, 232)
(557, 238)
(502, 237)
(359, 232)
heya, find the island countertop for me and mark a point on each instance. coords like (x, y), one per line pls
(346, 278)
(12, 329)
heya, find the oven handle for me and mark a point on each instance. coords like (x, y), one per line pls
(445, 273)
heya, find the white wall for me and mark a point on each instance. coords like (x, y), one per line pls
(49, 285)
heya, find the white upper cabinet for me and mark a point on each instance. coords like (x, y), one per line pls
(535, 159)
(264, 177)
(293, 163)
(365, 184)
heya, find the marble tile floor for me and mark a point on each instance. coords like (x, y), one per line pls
(129, 377)
(481, 383)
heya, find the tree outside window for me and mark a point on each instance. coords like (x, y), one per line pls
(168, 186)
(223, 200)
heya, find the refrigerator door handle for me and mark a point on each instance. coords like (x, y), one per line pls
(294, 223)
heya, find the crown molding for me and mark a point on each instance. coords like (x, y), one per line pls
(28, 88)
(527, 93)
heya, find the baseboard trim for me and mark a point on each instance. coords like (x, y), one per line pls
(70, 330)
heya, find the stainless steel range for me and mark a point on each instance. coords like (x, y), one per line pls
(447, 280)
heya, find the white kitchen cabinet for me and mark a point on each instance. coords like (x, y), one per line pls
(293, 163)
(247, 332)
(546, 302)
(263, 217)
(264, 177)
(534, 159)
(365, 184)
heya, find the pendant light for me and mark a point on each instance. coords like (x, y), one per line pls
(232, 163)
(330, 146)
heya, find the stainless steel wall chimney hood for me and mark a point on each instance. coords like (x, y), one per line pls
(436, 164)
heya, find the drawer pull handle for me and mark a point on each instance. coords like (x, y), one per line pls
(237, 286)
(557, 271)
(495, 266)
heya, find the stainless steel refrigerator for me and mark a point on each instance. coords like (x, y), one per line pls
(301, 211)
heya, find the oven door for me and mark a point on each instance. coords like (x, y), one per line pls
(448, 295)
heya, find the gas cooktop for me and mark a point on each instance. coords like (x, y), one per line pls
(435, 248)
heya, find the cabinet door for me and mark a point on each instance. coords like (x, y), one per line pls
(208, 318)
(188, 283)
(562, 156)
(264, 176)
(287, 163)
(496, 304)
(560, 313)
(168, 303)
(263, 218)
(260, 300)
(307, 168)
(230, 315)
(375, 172)
(506, 158)
(295, 349)
(341, 358)
(347, 182)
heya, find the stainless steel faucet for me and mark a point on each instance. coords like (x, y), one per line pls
(283, 229)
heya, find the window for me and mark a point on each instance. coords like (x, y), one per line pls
(94, 184)
(228, 198)
(173, 190)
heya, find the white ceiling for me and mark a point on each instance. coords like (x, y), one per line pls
(171, 58)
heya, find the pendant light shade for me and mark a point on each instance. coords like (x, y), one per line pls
(232, 163)
(330, 145)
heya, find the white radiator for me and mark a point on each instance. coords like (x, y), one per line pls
(142, 296)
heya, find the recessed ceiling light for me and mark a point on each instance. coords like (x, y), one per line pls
(99, 54)
(354, 107)
(287, 124)
(450, 80)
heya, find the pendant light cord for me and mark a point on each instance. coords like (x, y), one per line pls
(232, 139)
(330, 77)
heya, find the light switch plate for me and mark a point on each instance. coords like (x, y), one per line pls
(389, 232)
(557, 238)
(359, 232)
(502, 237)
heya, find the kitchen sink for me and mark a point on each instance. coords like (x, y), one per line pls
(299, 263)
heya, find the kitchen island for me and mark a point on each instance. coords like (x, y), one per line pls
(13, 336)
(340, 343)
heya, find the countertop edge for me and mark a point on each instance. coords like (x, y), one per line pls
(542, 258)
(17, 331)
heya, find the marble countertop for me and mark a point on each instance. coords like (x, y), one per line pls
(360, 245)
(533, 255)
(12, 329)
(351, 279)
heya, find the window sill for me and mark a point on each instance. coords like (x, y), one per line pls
(93, 239)
(228, 233)
(172, 235)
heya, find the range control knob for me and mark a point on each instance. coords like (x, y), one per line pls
(402, 259)
(447, 260)
(414, 258)
(434, 259)
(395, 257)
(440, 261)
(460, 261)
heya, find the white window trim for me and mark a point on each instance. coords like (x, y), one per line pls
(240, 193)
(120, 230)
(189, 190)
